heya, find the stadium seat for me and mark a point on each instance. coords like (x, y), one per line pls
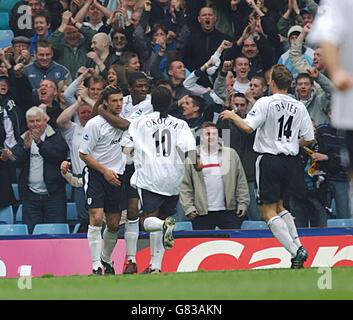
(6, 37)
(68, 189)
(13, 230)
(15, 191)
(71, 211)
(253, 225)
(19, 218)
(77, 227)
(51, 228)
(339, 223)
(183, 226)
(6, 215)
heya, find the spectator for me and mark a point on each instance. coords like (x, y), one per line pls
(48, 93)
(39, 153)
(258, 89)
(243, 143)
(215, 193)
(42, 24)
(241, 69)
(316, 103)
(306, 52)
(203, 43)
(71, 43)
(20, 51)
(101, 58)
(73, 134)
(45, 67)
(95, 12)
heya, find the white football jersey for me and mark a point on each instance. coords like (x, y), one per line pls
(157, 144)
(333, 23)
(102, 142)
(131, 111)
(280, 121)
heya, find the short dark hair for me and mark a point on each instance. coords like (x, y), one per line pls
(161, 100)
(43, 13)
(157, 27)
(199, 102)
(44, 44)
(281, 76)
(260, 78)
(126, 57)
(133, 77)
(304, 75)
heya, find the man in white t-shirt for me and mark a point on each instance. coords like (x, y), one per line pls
(215, 192)
(279, 120)
(103, 176)
(157, 140)
(73, 133)
(332, 29)
(241, 69)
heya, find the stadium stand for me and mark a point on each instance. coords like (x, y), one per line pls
(183, 226)
(15, 191)
(19, 218)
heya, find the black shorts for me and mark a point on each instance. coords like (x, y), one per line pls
(100, 193)
(277, 175)
(153, 201)
(130, 191)
(349, 145)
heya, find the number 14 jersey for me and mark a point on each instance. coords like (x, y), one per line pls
(280, 121)
(158, 145)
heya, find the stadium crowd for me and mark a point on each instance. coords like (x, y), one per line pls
(212, 55)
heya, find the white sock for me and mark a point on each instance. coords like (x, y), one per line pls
(280, 231)
(289, 220)
(95, 245)
(157, 249)
(131, 237)
(110, 239)
(153, 224)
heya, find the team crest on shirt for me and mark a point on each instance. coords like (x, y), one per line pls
(57, 75)
(85, 137)
(251, 113)
(89, 201)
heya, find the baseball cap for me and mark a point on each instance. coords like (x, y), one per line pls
(296, 28)
(5, 78)
(305, 10)
(21, 39)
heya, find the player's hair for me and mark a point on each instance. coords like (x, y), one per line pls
(107, 92)
(161, 100)
(132, 78)
(304, 75)
(281, 76)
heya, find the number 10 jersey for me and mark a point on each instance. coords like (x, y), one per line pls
(280, 121)
(159, 146)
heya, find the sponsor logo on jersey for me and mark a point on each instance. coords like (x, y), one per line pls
(251, 113)
(114, 141)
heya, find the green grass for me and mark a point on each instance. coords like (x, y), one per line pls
(227, 285)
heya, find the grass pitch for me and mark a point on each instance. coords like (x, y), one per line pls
(215, 285)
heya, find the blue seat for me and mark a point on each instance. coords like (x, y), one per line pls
(71, 211)
(183, 226)
(339, 223)
(77, 226)
(13, 230)
(6, 36)
(68, 188)
(51, 228)
(6, 215)
(253, 225)
(19, 218)
(15, 191)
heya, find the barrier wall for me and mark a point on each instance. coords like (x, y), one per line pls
(193, 250)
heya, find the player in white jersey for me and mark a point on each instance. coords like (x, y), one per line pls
(103, 176)
(332, 28)
(159, 142)
(137, 104)
(280, 120)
